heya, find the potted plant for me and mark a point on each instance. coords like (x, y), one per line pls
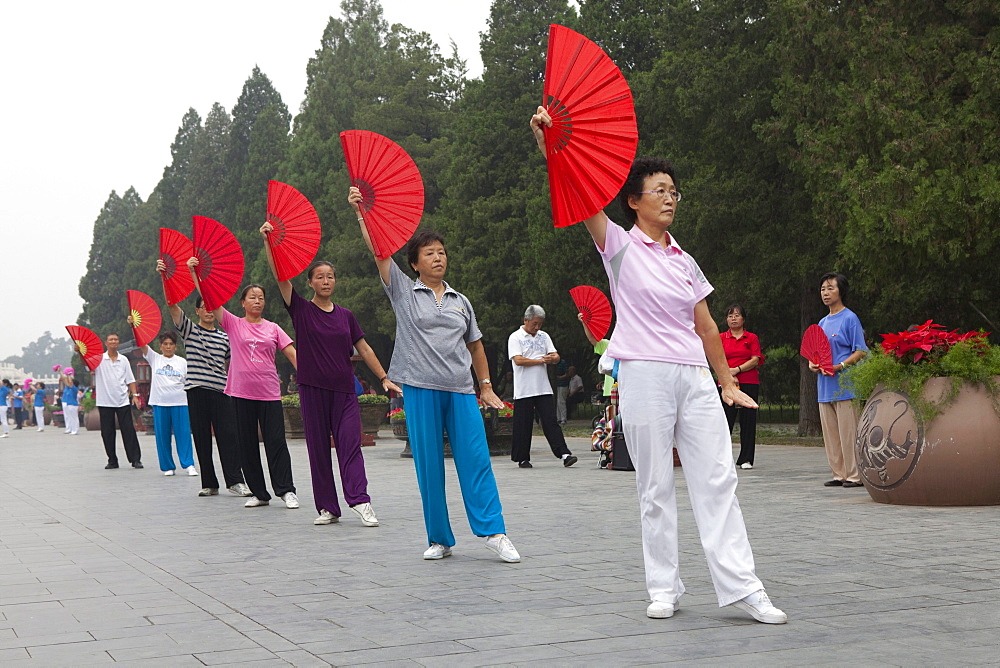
(397, 420)
(91, 416)
(929, 433)
(292, 411)
(54, 415)
(373, 409)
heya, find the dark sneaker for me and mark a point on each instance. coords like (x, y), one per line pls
(569, 461)
(136, 465)
(525, 465)
(833, 483)
(849, 483)
(111, 466)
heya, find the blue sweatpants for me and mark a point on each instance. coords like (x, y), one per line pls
(428, 414)
(167, 421)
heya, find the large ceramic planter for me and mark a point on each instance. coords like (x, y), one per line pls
(399, 428)
(952, 460)
(399, 431)
(372, 416)
(57, 419)
(499, 433)
(92, 419)
(293, 422)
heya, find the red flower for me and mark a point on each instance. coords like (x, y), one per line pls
(917, 343)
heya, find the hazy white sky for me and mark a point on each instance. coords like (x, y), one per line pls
(95, 93)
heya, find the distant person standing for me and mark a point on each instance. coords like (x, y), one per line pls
(71, 405)
(40, 405)
(17, 400)
(531, 350)
(115, 388)
(744, 356)
(576, 395)
(600, 347)
(562, 389)
(5, 390)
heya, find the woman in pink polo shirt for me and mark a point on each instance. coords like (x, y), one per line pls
(667, 397)
(253, 384)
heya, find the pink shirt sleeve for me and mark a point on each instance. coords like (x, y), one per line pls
(282, 338)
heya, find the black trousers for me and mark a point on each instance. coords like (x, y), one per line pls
(524, 416)
(748, 423)
(18, 417)
(268, 415)
(129, 439)
(213, 411)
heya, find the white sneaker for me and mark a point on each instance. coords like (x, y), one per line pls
(192, 470)
(503, 547)
(66, 432)
(254, 502)
(41, 429)
(760, 608)
(367, 515)
(746, 465)
(240, 489)
(437, 551)
(326, 517)
(5, 435)
(291, 501)
(660, 610)
(170, 472)
(208, 491)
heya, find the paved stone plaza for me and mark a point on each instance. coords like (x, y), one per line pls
(130, 566)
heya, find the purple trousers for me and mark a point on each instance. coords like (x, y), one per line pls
(326, 413)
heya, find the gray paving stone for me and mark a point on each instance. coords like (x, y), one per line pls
(86, 579)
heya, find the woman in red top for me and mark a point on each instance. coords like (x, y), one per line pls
(743, 356)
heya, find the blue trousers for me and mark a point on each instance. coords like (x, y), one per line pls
(173, 420)
(428, 414)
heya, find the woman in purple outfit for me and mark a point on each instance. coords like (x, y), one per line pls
(326, 335)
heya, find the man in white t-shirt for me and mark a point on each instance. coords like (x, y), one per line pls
(531, 350)
(116, 391)
(576, 393)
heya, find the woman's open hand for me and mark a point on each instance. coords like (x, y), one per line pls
(490, 398)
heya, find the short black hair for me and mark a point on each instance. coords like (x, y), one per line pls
(251, 286)
(841, 283)
(642, 168)
(199, 302)
(168, 335)
(422, 238)
(738, 308)
(41, 385)
(316, 265)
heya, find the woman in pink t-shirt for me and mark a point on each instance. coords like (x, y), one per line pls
(253, 384)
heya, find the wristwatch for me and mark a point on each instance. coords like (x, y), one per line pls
(486, 382)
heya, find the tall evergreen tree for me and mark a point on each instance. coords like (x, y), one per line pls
(103, 286)
(204, 188)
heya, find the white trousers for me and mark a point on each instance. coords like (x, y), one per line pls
(40, 417)
(71, 414)
(3, 420)
(664, 406)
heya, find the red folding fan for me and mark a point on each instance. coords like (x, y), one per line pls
(220, 261)
(89, 343)
(175, 250)
(595, 307)
(593, 138)
(816, 348)
(296, 235)
(146, 318)
(392, 188)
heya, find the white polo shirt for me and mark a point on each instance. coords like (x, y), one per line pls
(111, 379)
(530, 381)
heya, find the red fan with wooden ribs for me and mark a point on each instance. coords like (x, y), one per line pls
(89, 344)
(392, 188)
(595, 307)
(296, 235)
(592, 142)
(816, 348)
(146, 318)
(220, 261)
(175, 250)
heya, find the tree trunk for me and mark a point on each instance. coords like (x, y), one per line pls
(808, 407)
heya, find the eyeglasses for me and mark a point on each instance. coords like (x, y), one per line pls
(662, 194)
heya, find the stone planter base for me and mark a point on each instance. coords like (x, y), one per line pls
(953, 460)
(293, 422)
